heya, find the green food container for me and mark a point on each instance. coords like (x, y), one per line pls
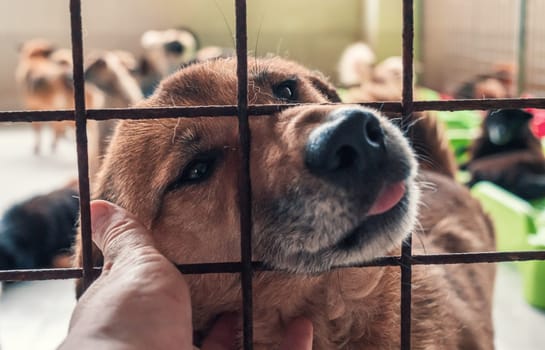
(519, 225)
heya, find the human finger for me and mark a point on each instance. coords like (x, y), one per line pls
(116, 232)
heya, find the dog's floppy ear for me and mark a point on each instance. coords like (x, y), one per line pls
(324, 87)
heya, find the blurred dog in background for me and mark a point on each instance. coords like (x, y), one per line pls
(164, 52)
(44, 79)
(38, 232)
(499, 83)
(367, 81)
(356, 65)
(113, 73)
(508, 154)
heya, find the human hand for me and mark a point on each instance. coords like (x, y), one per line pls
(141, 300)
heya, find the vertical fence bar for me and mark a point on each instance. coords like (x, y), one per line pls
(244, 185)
(521, 46)
(81, 140)
(407, 107)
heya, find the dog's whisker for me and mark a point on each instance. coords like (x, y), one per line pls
(279, 46)
(413, 123)
(428, 188)
(261, 21)
(395, 120)
(418, 233)
(175, 130)
(226, 22)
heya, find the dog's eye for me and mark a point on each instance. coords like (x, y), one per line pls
(286, 90)
(196, 171)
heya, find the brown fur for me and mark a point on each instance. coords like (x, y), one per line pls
(351, 308)
(431, 144)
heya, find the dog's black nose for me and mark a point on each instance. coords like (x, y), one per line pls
(350, 141)
(174, 47)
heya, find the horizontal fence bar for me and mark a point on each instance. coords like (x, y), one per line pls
(476, 258)
(34, 116)
(40, 274)
(164, 112)
(236, 267)
(210, 111)
(466, 105)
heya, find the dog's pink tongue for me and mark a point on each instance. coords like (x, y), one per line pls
(388, 197)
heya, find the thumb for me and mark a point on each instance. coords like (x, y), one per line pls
(117, 232)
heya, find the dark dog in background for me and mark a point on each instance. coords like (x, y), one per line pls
(508, 154)
(39, 232)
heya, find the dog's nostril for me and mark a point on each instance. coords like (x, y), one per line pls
(374, 133)
(346, 157)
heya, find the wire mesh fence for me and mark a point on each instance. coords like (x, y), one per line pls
(246, 267)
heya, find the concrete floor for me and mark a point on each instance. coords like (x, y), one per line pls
(35, 315)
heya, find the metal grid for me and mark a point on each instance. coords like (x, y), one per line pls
(246, 267)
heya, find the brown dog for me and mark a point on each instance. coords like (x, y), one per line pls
(331, 186)
(44, 79)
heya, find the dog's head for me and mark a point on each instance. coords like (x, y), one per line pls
(43, 68)
(111, 71)
(356, 64)
(507, 126)
(331, 185)
(169, 49)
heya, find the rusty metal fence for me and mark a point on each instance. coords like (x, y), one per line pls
(246, 267)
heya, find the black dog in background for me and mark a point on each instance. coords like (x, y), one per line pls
(508, 154)
(39, 232)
